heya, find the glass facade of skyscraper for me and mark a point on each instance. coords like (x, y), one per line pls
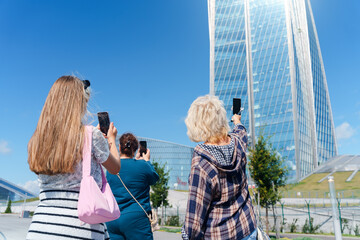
(324, 125)
(267, 53)
(177, 160)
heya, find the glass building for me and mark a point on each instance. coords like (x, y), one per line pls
(10, 191)
(267, 53)
(177, 160)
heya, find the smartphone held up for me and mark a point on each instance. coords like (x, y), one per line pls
(237, 109)
(237, 106)
(104, 122)
(143, 148)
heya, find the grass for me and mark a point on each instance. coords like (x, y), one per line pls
(170, 230)
(182, 190)
(27, 200)
(310, 184)
(318, 205)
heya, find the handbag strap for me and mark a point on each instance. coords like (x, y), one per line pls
(132, 195)
(86, 155)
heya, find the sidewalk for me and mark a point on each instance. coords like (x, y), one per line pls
(15, 228)
(166, 236)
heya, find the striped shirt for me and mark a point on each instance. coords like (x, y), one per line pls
(219, 204)
(56, 216)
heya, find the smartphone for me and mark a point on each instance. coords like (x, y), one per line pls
(143, 148)
(104, 121)
(237, 106)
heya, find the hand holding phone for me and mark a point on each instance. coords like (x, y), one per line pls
(104, 122)
(143, 148)
(237, 106)
(236, 119)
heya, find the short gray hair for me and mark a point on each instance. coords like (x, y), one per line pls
(206, 119)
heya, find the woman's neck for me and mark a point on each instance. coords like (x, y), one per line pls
(223, 141)
(125, 156)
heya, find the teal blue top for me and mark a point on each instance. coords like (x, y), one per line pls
(137, 175)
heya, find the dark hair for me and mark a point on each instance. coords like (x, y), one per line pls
(128, 144)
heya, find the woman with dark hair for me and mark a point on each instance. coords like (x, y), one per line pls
(137, 174)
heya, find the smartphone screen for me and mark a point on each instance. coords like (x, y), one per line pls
(143, 148)
(237, 106)
(104, 121)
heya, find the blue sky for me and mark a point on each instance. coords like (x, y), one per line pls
(146, 60)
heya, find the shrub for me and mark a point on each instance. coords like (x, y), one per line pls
(8, 209)
(357, 230)
(293, 226)
(309, 227)
(173, 221)
(345, 225)
(283, 225)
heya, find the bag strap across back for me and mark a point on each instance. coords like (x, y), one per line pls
(132, 195)
(86, 156)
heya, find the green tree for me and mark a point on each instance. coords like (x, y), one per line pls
(268, 172)
(8, 209)
(160, 190)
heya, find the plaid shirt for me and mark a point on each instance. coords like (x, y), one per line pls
(219, 204)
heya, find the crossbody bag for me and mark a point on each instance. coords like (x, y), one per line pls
(152, 216)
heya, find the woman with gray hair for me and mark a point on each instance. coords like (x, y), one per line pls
(219, 204)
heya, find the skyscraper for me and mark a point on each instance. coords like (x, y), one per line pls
(267, 53)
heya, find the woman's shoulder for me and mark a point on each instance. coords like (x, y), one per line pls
(137, 162)
(137, 166)
(100, 146)
(98, 136)
(201, 152)
(202, 159)
(96, 132)
(144, 163)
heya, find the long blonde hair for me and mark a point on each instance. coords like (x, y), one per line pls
(56, 145)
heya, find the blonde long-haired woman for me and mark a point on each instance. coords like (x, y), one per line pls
(54, 154)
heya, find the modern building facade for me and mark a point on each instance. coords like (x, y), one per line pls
(267, 53)
(10, 191)
(177, 160)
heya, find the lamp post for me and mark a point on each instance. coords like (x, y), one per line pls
(258, 202)
(283, 217)
(308, 205)
(337, 228)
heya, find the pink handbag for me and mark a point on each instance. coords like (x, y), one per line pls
(95, 205)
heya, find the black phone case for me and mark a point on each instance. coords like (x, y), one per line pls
(236, 105)
(104, 121)
(143, 148)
